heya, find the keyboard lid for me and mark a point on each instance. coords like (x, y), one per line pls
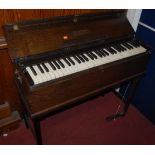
(29, 38)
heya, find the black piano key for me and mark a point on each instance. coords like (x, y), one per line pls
(84, 57)
(70, 60)
(104, 52)
(56, 64)
(40, 68)
(33, 71)
(113, 50)
(109, 50)
(77, 59)
(120, 47)
(124, 49)
(137, 43)
(52, 66)
(127, 45)
(98, 53)
(85, 54)
(60, 63)
(117, 48)
(46, 69)
(90, 56)
(133, 44)
(95, 57)
(67, 62)
(30, 80)
(80, 58)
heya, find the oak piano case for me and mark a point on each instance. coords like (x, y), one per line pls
(63, 61)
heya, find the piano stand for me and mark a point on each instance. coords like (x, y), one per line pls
(37, 131)
(26, 121)
(127, 102)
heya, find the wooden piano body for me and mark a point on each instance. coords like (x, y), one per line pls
(35, 41)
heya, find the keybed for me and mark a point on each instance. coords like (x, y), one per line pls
(62, 66)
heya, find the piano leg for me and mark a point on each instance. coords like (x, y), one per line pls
(127, 102)
(26, 121)
(37, 132)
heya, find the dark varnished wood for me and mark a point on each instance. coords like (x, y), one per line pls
(39, 36)
(8, 89)
(14, 15)
(9, 123)
(4, 110)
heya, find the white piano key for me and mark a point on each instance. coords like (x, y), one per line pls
(55, 73)
(98, 60)
(45, 73)
(84, 64)
(105, 60)
(139, 50)
(58, 70)
(65, 70)
(120, 54)
(74, 67)
(77, 65)
(126, 53)
(89, 63)
(42, 76)
(51, 73)
(62, 69)
(93, 61)
(68, 69)
(40, 80)
(110, 57)
(32, 75)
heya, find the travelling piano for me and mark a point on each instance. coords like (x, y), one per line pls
(62, 61)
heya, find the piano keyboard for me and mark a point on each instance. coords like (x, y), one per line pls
(60, 67)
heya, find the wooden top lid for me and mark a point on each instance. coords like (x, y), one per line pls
(33, 37)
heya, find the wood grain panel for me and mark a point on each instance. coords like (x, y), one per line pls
(8, 16)
(8, 90)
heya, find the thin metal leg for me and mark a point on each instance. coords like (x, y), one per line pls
(131, 94)
(26, 121)
(37, 131)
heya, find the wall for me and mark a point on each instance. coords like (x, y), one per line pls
(145, 95)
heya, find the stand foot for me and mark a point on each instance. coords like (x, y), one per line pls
(114, 117)
(26, 121)
(37, 132)
(130, 95)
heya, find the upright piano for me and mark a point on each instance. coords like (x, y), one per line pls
(62, 61)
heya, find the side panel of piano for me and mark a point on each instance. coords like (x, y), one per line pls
(8, 90)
